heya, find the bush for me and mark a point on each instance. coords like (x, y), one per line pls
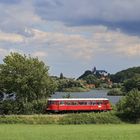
(39, 106)
(79, 118)
(115, 92)
(28, 119)
(116, 85)
(91, 118)
(8, 107)
(129, 106)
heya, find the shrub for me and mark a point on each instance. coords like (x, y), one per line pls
(91, 118)
(129, 106)
(76, 118)
(8, 107)
(27, 119)
(115, 92)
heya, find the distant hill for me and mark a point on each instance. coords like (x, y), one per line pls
(96, 77)
(124, 75)
(94, 72)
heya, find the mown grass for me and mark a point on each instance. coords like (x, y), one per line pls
(69, 132)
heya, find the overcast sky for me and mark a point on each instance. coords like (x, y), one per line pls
(72, 36)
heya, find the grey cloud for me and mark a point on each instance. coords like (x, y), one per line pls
(113, 13)
(18, 18)
(9, 1)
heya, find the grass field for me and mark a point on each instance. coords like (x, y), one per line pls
(69, 132)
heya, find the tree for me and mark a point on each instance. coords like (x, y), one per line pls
(26, 77)
(133, 83)
(61, 76)
(129, 106)
(124, 75)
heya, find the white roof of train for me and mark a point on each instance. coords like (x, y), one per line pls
(73, 99)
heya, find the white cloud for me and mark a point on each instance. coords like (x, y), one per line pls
(11, 37)
(75, 43)
(130, 51)
(39, 54)
(86, 47)
(17, 18)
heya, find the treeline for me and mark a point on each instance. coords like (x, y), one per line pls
(124, 75)
(64, 84)
(127, 80)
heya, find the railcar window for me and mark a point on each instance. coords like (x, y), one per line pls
(82, 103)
(99, 103)
(68, 103)
(51, 102)
(89, 103)
(93, 103)
(62, 103)
(74, 103)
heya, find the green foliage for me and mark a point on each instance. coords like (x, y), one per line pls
(26, 77)
(130, 84)
(67, 84)
(129, 106)
(86, 73)
(91, 118)
(79, 118)
(28, 119)
(99, 78)
(8, 107)
(121, 76)
(92, 79)
(76, 89)
(115, 92)
(116, 85)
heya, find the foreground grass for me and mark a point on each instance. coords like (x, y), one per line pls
(69, 132)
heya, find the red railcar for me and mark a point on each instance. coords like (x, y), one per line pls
(78, 104)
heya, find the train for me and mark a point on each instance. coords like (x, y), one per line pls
(78, 104)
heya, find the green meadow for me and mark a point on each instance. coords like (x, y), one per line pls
(69, 132)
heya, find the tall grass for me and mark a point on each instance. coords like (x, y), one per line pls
(75, 118)
(91, 118)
